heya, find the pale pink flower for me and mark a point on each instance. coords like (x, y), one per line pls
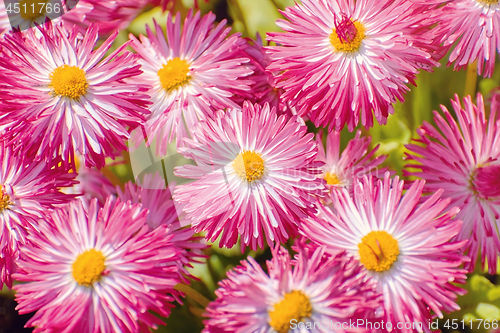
(256, 176)
(191, 70)
(404, 246)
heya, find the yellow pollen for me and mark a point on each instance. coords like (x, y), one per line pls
(332, 179)
(351, 46)
(88, 267)
(249, 165)
(30, 10)
(296, 306)
(378, 251)
(174, 74)
(4, 200)
(488, 2)
(69, 81)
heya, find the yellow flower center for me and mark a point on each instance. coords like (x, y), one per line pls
(488, 2)
(332, 179)
(69, 81)
(88, 267)
(249, 165)
(296, 306)
(4, 200)
(378, 251)
(30, 10)
(347, 36)
(174, 74)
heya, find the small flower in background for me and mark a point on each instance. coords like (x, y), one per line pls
(341, 169)
(28, 190)
(191, 71)
(97, 270)
(108, 16)
(341, 60)
(162, 211)
(92, 184)
(256, 176)
(314, 288)
(463, 159)
(405, 247)
(473, 26)
(76, 100)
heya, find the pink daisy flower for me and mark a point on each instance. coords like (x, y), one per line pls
(256, 176)
(97, 270)
(474, 26)
(191, 72)
(162, 211)
(314, 288)
(405, 247)
(67, 97)
(355, 161)
(463, 158)
(341, 60)
(27, 191)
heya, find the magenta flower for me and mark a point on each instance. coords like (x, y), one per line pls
(355, 161)
(162, 211)
(256, 176)
(263, 89)
(341, 60)
(463, 159)
(64, 96)
(314, 288)
(97, 270)
(27, 191)
(191, 72)
(474, 26)
(405, 247)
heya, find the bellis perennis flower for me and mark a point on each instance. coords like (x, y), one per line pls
(341, 60)
(59, 102)
(256, 176)
(341, 169)
(28, 190)
(463, 159)
(404, 246)
(191, 70)
(314, 291)
(475, 24)
(97, 270)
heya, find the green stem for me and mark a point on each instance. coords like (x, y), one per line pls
(195, 295)
(471, 80)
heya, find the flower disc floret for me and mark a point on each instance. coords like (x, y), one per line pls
(347, 36)
(88, 267)
(249, 166)
(378, 251)
(69, 81)
(295, 305)
(174, 74)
